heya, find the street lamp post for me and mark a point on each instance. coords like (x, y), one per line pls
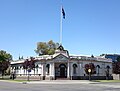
(29, 70)
(28, 76)
(89, 70)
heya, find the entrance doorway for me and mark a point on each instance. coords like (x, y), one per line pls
(62, 70)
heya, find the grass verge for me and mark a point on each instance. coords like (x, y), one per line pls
(106, 80)
(10, 80)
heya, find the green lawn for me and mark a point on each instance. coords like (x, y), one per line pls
(4, 77)
(18, 80)
(10, 80)
(7, 78)
(106, 80)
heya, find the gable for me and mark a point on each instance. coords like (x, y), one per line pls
(60, 58)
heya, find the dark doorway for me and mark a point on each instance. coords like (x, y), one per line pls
(62, 70)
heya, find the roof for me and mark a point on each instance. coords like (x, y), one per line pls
(98, 58)
(66, 54)
(18, 61)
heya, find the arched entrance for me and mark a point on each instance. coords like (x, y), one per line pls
(62, 70)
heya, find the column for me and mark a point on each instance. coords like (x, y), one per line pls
(78, 69)
(53, 71)
(43, 71)
(68, 70)
(52, 76)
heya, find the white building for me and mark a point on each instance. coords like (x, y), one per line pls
(61, 65)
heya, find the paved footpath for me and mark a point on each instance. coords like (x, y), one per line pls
(60, 82)
(58, 85)
(65, 82)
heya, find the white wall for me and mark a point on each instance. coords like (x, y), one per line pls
(79, 70)
(81, 64)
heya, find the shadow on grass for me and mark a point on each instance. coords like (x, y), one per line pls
(11, 80)
(105, 80)
(4, 78)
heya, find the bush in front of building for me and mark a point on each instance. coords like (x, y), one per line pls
(29, 64)
(90, 66)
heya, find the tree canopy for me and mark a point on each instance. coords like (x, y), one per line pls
(116, 67)
(118, 59)
(90, 66)
(29, 63)
(5, 59)
(46, 48)
(4, 56)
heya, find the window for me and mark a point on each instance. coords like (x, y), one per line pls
(98, 67)
(107, 71)
(37, 68)
(108, 67)
(48, 68)
(74, 68)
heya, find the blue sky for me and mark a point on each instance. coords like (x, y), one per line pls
(90, 27)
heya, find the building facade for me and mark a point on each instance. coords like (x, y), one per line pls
(61, 65)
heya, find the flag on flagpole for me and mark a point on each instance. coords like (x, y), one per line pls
(63, 12)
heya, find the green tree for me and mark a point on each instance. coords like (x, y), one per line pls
(116, 66)
(46, 48)
(90, 66)
(118, 59)
(5, 59)
(29, 63)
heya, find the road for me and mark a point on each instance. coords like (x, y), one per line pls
(15, 86)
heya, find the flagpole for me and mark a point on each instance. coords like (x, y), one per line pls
(61, 25)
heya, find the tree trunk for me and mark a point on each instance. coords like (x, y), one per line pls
(2, 74)
(119, 76)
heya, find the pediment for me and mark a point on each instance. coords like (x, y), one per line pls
(60, 57)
